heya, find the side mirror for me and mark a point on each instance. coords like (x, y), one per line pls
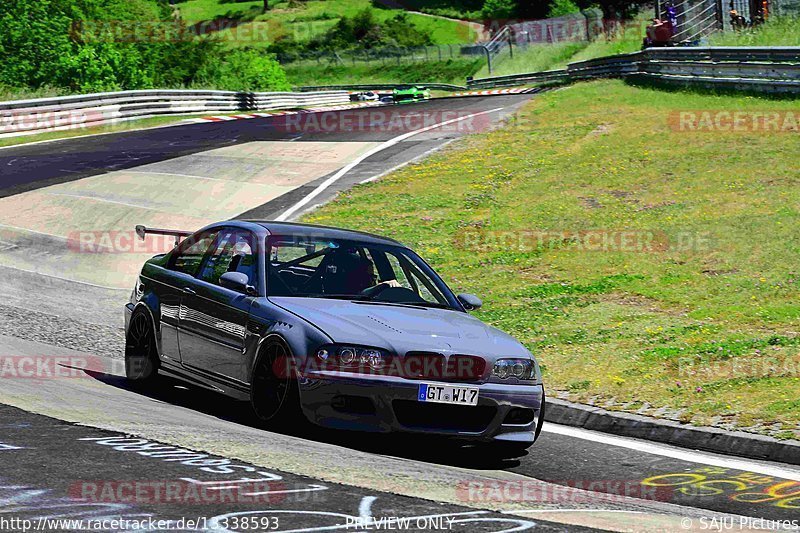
(236, 281)
(469, 301)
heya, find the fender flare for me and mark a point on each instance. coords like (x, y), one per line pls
(153, 322)
(263, 343)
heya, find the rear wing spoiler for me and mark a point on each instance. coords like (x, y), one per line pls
(143, 231)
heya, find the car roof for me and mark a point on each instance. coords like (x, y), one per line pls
(324, 232)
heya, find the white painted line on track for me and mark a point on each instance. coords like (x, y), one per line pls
(391, 142)
(571, 511)
(26, 230)
(103, 200)
(172, 174)
(79, 282)
(409, 162)
(365, 507)
(692, 456)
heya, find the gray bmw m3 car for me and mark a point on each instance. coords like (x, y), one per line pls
(347, 329)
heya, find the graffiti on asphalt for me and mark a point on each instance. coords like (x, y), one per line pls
(747, 487)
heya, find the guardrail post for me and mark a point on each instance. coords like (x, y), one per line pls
(488, 57)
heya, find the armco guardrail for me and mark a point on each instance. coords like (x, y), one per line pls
(379, 87)
(519, 79)
(762, 69)
(24, 117)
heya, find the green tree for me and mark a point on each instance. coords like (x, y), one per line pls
(560, 8)
(245, 70)
(499, 9)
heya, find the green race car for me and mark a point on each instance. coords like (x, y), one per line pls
(410, 93)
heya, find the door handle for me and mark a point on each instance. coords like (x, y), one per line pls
(190, 291)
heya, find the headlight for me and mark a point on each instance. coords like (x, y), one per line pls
(353, 358)
(347, 356)
(514, 368)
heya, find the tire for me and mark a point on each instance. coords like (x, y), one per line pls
(141, 356)
(274, 392)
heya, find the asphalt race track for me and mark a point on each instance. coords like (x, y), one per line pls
(79, 443)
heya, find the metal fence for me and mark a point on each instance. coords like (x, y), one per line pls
(25, 117)
(391, 55)
(378, 87)
(758, 69)
(692, 19)
(570, 28)
(579, 27)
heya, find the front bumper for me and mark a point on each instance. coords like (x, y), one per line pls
(509, 413)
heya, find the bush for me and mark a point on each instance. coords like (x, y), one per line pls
(245, 70)
(365, 31)
(560, 8)
(499, 9)
(400, 31)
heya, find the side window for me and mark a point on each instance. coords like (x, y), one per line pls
(399, 274)
(425, 289)
(290, 251)
(416, 280)
(233, 253)
(191, 252)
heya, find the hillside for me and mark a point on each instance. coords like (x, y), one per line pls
(100, 45)
(302, 21)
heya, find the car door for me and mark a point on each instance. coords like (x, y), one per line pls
(214, 318)
(173, 283)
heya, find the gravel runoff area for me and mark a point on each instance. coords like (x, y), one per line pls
(64, 332)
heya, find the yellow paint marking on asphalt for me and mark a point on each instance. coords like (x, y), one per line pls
(83, 230)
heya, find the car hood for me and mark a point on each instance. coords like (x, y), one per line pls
(403, 328)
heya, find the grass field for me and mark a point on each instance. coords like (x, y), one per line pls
(537, 58)
(311, 18)
(628, 38)
(453, 71)
(459, 9)
(703, 329)
(779, 31)
(534, 58)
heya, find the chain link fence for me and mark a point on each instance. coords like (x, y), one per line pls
(391, 55)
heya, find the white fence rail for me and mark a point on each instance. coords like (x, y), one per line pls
(757, 69)
(27, 117)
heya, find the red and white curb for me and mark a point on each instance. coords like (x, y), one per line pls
(247, 116)
(492, 92)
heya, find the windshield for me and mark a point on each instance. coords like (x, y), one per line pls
(311, 267)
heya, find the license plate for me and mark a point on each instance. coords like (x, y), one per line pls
(431, 392)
